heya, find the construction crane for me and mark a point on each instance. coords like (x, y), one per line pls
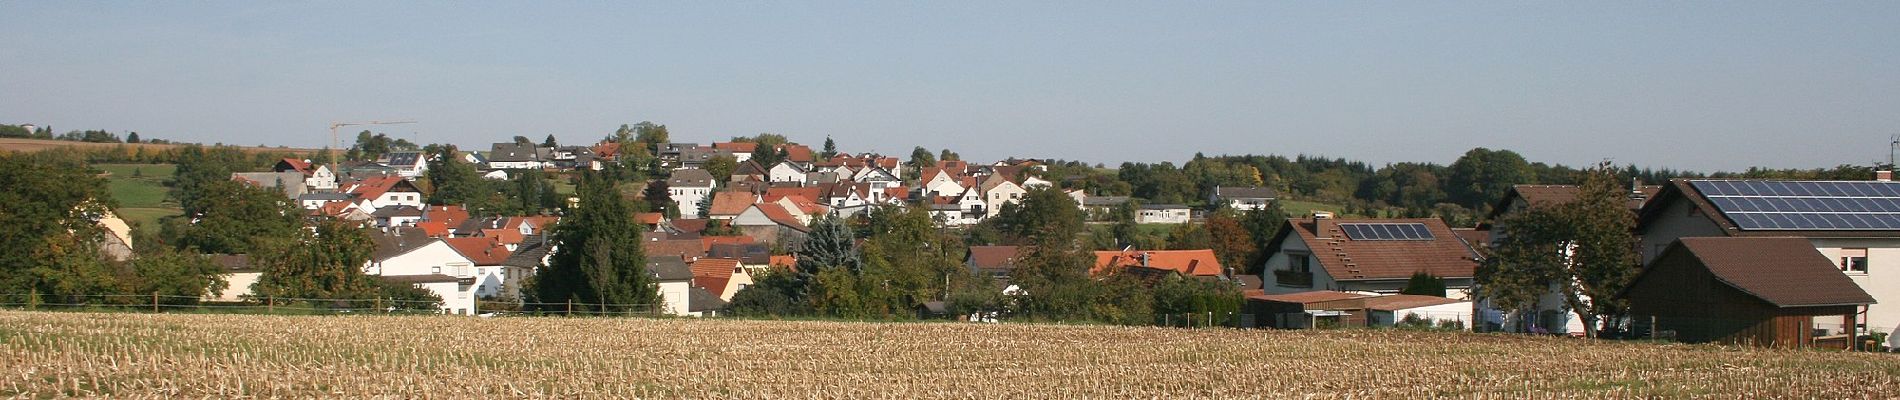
(336, 144)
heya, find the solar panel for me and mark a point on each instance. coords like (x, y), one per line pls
(1805, 205)
(1386, 231)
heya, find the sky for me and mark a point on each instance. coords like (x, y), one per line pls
(1686, 85)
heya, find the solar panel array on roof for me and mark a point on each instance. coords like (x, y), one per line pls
(1805, 206)
(1386, 231)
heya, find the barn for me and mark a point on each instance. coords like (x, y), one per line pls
(1761, 291)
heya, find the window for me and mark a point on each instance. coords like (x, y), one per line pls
(1854, 261)
(1300, 263)
(435, 269)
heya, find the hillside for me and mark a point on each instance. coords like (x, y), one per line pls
(33, 145)
(168, 355)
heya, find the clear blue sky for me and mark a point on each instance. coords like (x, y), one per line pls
(1697, 85)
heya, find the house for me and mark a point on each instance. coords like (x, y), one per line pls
(728, 204)
(1101, 208)
(1856, 224)
(689, 250)
(1374, 256)
(675, 282)
(515, 156)
(406, 255)
(527, 259)
(1242, 198)
(749, 171)
(696, 157)
(312, 201)
(397, 215)
(1552, 313)
(670, 153)
(998, 191)
(720, 277)
(770, 223)
(239, 275)
(385, 191)
(878, 177)
(938, 182)
(1189, 263)
(687, 187)
(489, 257)
(994, 261)
(789, 172)
(316, 177)
(1163, 214)
(1761, 291)
(290, 183)
(408, 164)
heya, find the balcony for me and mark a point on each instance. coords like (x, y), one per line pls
(1296, 279)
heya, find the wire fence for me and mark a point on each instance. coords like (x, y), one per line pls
(156, 303)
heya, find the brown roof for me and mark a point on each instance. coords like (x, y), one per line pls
(729, 203)
(689, 249)
(1187, 262)
(694, 226)
(1477, 238)
(1784, 271)
(1315, 296)
(778, 214)
(807, 192)
(649, 218)
(993, 257)
(1346, 259)
(448, 215)
(1397, 302)
(709, 241)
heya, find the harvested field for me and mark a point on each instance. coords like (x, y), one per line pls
(145, 355)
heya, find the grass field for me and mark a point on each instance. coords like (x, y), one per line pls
(223, 356)
(142, 197)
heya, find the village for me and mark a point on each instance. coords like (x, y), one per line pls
(1776, 263)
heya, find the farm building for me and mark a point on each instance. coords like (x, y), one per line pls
(1297, 310)
(1771, 292)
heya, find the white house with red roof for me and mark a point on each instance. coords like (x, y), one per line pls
(408, 255)
(1376, 256)
(384, 191)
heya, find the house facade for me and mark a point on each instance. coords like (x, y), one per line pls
(407, 255)
(1163, 214)
(1243, 198)
(1855, 224)
(687, 187)
(1371, 256)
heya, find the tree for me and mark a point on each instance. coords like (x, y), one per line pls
(831, 149)
(767, 155)
(721, 167)
(181, 277)
(1424, 284)
(772, 294)
(920, 158)
(1236, 247)
(49, 207)
(245, 218)
(324, 264)
(132, 137)
(947, 155)
(457, 182)
(549, 142)
(529, 193)
(1042, 212)
(1482, 175)
(659, 197)
(598, 257)
(1581, 250)
(829, 245)
(651, 134)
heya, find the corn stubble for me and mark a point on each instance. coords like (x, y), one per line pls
(228, 356)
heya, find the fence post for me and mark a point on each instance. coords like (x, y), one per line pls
(570, 306)
(1652, 328)
(270, 305)
(154, 302)
(1167, 319)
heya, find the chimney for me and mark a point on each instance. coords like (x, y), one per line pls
(1636, 189)
(1883, 176)
(1144, 259)
(1319, 215)
(1319, 230)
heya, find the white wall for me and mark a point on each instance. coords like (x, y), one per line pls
(1460, 311)
(238, 286)
(1672, 223)
(1882, 279)
(1279, 261)
(674, 296)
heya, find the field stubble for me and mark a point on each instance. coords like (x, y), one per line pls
(143, 355)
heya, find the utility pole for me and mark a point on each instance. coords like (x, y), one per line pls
(336, 144)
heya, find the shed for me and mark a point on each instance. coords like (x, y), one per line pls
(1762, 291)
(1296, 310)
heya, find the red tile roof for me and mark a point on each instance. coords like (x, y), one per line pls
(993, 257)
(807, 192)
(729, 203)
(481, 250)
(649, 218)
(298, 165)
(693, 226)
(786, 261)
(434, 228)
(797, 152)
(782, 217)
(450, 215)
(374, 187)
(1187, 262)
(737, 147)
(505, 236)
(1344, 259)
